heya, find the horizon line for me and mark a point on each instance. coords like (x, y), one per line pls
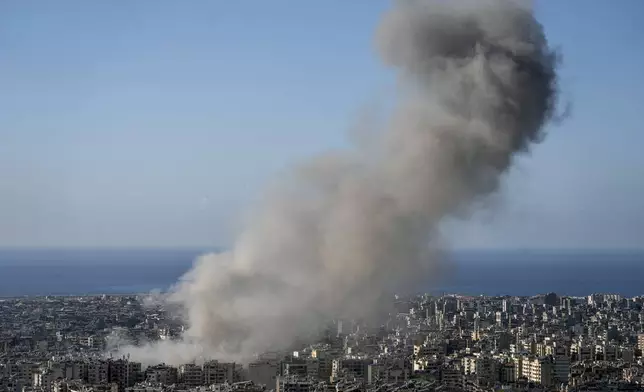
(219, 248)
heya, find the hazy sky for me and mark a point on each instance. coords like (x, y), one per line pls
(147, 123)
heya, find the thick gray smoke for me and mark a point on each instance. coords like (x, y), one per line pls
(478, 83)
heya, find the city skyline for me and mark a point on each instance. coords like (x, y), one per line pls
(451, 342)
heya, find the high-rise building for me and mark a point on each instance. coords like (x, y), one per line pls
(215, 372)
(502, 319)
(124, 373)
(451, 378)
(507, 372)
(538, 370)
(561, 368)
(640, 341)
(97, 372)
(486, 370)
(191, 375)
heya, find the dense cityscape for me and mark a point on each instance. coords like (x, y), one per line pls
(431, 343)
(189, 203)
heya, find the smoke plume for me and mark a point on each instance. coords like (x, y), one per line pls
(347, 229)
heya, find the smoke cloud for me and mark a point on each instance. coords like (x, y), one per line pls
(347, 229)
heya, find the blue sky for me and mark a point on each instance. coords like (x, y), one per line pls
(154, 123)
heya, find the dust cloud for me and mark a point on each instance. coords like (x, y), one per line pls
(347, 230)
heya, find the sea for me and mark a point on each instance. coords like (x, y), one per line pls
(40, 272)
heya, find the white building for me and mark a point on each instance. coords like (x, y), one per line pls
(538, 370)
